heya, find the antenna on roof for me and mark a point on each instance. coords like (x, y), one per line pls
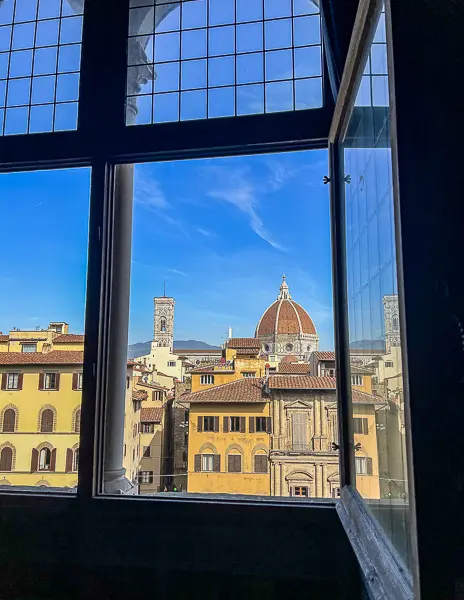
(164, 294)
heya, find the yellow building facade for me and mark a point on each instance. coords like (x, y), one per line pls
(229, 433)
(40, 398)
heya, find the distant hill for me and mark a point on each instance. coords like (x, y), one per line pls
(142, 348)
(368, 345)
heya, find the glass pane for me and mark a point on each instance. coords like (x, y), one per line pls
(41, 359)
(197, 413)
(39, 38)
(373, 306)
(265, 41)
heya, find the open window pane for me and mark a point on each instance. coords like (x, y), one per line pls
(373, 304)
(201, 45)
(40, 51)
(41, 358)
(230, 373)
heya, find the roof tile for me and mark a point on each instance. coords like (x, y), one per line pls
(151, 415)
(56, 357)
(235, 343)
(324, 355)
(69, 338)
(247, 390)
(294, 368)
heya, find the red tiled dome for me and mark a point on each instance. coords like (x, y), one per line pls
(285, 316)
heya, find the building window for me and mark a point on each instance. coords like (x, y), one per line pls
(260, 463)
(163, 326)
(79, 381)
(207, 462)
(50, 381)
(261, 423)
(356, 380)
(336, 492)
(207, 379)
(300, 431)
(209, 424)
(77, 422)
(267, 347)
(249, 373)
(45, 459)
(289, 347)
(360, 425)
(146, 451)
(171, 363)
(148, 428)
(234, 463)
(146, 477)
(363, 465)
(46, 421)
(76, 460)
(12, 381)
(29, 348)
(234, 423)
(186, 437)
(301, 491)
(388, 363)
(6, 459)
(9, 421)
(395, 323)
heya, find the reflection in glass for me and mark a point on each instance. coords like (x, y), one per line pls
(373, 306)
(205, 44)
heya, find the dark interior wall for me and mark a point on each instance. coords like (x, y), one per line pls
(129, 548)
(428, 71)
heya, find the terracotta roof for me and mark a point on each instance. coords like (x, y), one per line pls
(69, 338)
(235, 343)
(358, 370)
(4, 338)
(216, 368)
(181, 351)
(153, 386)
(151, 415)
(139, 395)
(290, 358)
(249, 389)
(56, 357)
(285, 316)
(294, 368)
(324, 355)
(247, 351)
(164, 375)
(308, 382)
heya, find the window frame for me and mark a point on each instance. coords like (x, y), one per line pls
(205, 460)
(14, 387)
(103, 142)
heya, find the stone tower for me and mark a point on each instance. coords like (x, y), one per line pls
(392, 321)
(163, 334)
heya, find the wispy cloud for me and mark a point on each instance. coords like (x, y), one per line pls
(233, 186)
(148, 192)
(177, 272)
(205, 232)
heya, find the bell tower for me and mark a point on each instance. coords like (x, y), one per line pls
(163, 318)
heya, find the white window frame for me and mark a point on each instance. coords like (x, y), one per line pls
(247, 374)
(32, 345)
(357, 380)
(75, 465)
(207, 379)
(42, 454)
(79, 380)
(47, 379)
(12, 381)
(230, 425)
(207, 460)
(361, 465)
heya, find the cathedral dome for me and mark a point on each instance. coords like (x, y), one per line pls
(285, 316)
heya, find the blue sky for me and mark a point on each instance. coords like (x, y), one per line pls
(220, 232)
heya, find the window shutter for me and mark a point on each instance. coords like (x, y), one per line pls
(217, 462)
(69, 460)
(200, 424)
(260, 463)
(251, 424)
(231, 463)
(6, 459)
(20, 381)
(369, 466)
(197, 461)
(74, 381)
(269, 424)
(34, 459)
(242, 424)
(365, 426)
(57, 381)
(225, 425)
(3, 381)
(41, 381)
(53, 460)
(9, 421)
(216, 424)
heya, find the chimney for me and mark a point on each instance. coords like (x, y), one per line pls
(230, 333)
